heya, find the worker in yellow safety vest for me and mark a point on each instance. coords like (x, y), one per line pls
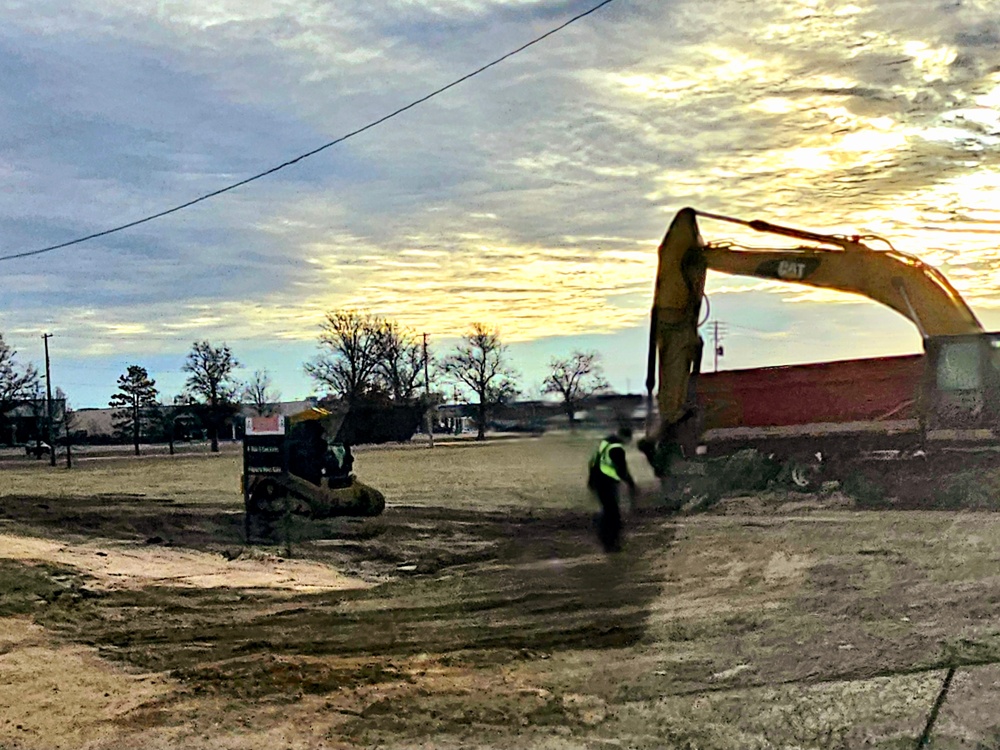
(608, 469)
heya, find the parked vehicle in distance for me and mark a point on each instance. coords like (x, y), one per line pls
(37, 450)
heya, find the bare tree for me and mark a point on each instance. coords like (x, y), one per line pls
(16, 382)
(351, 349)
(212, 380)
(479, 364)
(400, 362)
(167, 416)
(260, 393)
(575, 379)
(135, 399)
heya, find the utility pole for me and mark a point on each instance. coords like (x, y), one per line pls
(427, 393)
(48, 399)
(716, 346)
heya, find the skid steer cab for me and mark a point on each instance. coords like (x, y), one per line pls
(294, 465)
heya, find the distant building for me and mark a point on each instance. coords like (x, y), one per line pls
(27, 421)
(617, 409)
(93, 422)
(597, 412)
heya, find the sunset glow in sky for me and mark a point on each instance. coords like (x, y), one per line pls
(532, 197)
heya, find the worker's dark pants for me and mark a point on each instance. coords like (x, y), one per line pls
(609, 523)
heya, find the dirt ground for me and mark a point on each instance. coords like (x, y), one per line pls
(478, 612)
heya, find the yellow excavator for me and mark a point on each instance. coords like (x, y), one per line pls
(958, 393)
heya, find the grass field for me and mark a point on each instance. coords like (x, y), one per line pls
(547, 472)
(183, 478)
(479, 612)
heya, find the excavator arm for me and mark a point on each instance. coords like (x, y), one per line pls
(902, 282)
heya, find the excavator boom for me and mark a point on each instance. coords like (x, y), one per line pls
(900, 281)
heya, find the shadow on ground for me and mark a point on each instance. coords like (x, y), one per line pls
(475, 588)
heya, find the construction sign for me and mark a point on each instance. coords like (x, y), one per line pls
(264, 451)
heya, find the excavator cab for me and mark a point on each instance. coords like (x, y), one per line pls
(961, 390)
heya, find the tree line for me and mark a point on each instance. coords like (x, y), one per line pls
(363, 359)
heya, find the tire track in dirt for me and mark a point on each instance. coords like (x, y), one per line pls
(484, 587)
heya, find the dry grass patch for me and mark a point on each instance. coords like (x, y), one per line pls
(188, 479)
(543, 472)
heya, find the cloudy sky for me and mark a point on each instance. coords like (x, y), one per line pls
(531, 197)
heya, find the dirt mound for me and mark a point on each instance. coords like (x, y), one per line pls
(776, 503)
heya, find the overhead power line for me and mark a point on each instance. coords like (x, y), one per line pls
(306, 155)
